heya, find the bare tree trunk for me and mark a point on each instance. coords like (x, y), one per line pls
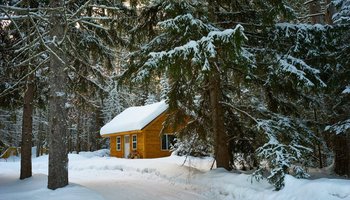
(27, 126)
(318, 144)
(317, 17)
(222, 153)
(58, 157)
(77, 141)
(40, 136)
(98, 124)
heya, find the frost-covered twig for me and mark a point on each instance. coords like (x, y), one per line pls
(80, 9)
(14, 22)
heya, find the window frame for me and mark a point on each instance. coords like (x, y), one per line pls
(134, 142)
(120, 143)
(167, 142)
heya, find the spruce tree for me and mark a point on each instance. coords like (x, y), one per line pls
(228, 80)
(67, 36)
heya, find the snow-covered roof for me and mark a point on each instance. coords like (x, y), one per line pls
(134, 118)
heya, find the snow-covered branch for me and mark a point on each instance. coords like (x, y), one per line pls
(339, 128)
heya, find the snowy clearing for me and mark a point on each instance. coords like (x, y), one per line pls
(94, 175)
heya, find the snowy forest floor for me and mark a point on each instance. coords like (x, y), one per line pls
(95, 176)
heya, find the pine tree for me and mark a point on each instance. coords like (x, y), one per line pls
(235, 74)
(192, 60)
(78, 35)
(337, 95)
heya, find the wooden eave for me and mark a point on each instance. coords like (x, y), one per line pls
(121, 133)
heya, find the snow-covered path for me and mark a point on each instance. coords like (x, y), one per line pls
(95, 176)
(103, 178)
(132, 189)
(142, 190)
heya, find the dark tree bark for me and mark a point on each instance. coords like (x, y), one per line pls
(221, 146)
(348, 152)
(27, 125)
(317, 17)
(329, 12)
(342, 157)
(27, 118)
(40, 136)
(222, 152)
(58, 156)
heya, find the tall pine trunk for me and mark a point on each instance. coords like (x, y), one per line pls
(222, 153)
(27, 125)
(348, 152)
(27, 118)
(342, 156)
(58, 157)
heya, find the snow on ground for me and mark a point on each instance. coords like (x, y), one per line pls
(94, 175)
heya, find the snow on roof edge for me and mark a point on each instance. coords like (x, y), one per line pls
(134, 118)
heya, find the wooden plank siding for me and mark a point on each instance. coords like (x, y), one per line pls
(120, 154)
(153, 138)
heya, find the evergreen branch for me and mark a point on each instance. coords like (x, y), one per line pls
(44, 44)
(87, 100)
(80, 9)
(30, 58)
(107, 7)
(21, 41)
(309, 1)
(94, 25)
(7, 91)
(312, 15)
(39, 16)
(14, 8)
(242, 111)
(91, 18)
(10, 18)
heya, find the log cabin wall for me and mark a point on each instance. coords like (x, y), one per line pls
(153, 148)
(120, 153)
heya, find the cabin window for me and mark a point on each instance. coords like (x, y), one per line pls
(134, 142)
(167, 141)
(119, 142)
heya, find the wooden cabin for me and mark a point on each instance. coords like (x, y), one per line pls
(136, 132)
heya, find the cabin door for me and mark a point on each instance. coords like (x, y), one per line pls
(126, 146)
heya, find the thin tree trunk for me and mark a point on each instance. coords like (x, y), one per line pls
(318, 142)
(222, 153)
(78, 147)
(58, 157)
(27, 125)
(98, 124)
(40, 136)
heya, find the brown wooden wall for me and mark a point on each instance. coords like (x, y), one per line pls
(120, 154)
(153, 139)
